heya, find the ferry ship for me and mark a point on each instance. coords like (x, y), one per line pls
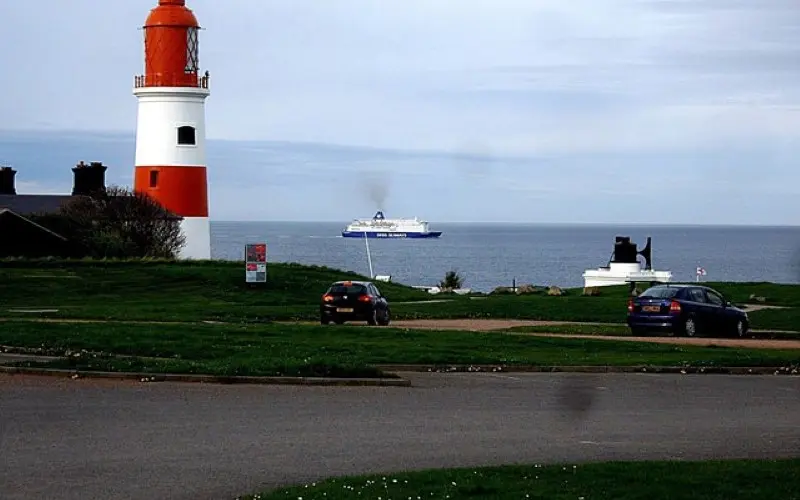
(381, 227)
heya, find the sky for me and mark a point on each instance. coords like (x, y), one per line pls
(586, 111)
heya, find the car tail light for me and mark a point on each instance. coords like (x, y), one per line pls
(630, 305)
(674, 307)
(327, 298)
(364, 298)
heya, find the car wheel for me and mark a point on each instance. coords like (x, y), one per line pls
(690, 327)
(386, 318)
(373, 318)
(324, 320)
(741, 329)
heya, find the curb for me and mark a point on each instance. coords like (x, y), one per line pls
(210, 379)
(709, 370)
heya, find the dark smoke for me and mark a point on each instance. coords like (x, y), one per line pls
(376, 185)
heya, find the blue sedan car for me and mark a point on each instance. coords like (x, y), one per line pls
(690, 310)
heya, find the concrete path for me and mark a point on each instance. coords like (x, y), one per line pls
(88, 439)
(6, 358)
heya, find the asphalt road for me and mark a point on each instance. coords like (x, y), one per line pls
(102, 439)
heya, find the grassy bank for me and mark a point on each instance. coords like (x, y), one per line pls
(624, 331)
(193, 291)
(296, 350)
(711, 480)
(171, 291)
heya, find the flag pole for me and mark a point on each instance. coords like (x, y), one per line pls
(369, 257)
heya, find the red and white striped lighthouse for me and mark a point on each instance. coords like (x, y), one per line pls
(170, 132)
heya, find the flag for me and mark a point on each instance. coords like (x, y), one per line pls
(701, 271)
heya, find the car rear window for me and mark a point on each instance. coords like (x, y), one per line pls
(661, 292)
(347, 289)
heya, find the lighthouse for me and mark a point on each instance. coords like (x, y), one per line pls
(170, 129)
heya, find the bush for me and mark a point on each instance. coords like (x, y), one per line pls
(452, 281)
(117, 223)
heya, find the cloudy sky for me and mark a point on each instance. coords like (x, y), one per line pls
(654, 111)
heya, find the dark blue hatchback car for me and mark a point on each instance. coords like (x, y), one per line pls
(690, 310)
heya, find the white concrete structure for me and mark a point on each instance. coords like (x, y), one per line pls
(624, 267)
(622, 274)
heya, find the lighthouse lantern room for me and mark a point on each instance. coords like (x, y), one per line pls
(170, 129)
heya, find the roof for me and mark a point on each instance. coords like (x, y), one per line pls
(28, 204)
(34, 204)
(6, 213)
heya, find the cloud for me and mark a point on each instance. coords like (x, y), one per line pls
(529, 102)
(426, 74)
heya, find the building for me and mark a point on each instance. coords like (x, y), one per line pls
(19, 235)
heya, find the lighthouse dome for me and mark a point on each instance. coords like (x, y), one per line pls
(172, 13)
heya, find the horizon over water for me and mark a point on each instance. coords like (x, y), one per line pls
(519, 223)
(488, 254)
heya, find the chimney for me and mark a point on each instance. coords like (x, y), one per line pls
(89, 179)
(7, 184)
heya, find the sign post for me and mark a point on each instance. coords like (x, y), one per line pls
(255, 257)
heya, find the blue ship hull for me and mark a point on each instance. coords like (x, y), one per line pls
(390, 235)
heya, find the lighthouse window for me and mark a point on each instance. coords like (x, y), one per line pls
(186, 136)
(153, 178)
(192, 51)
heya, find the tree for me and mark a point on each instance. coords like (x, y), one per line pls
(118, 223)
(452, 281)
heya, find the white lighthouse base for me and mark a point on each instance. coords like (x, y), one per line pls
(622, 274)
(197, 231)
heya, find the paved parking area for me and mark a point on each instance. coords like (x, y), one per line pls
(84, 439)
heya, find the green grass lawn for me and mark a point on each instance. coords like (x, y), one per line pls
(624, 331)
(711, 480)
(192, 291)
(296, 350)
(171, 291)
(776, 319)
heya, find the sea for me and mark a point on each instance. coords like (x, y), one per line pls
(492, 255)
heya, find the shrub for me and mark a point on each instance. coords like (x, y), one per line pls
(117, 223)
(452, 281)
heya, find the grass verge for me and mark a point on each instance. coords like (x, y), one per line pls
(214, 290)
(296, 350)
(171, 291)
(624, 331)
(711, 480)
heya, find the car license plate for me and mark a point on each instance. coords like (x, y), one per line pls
(651, 308)
(344, 309)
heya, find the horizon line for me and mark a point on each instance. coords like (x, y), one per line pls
(535, 223)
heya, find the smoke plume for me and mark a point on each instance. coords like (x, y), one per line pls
(376, 185)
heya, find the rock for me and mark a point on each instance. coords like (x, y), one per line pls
(502, 290)
(591, 291)
(554, 291)
(526, 290)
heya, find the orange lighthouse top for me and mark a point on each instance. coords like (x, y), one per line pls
(171, 47)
